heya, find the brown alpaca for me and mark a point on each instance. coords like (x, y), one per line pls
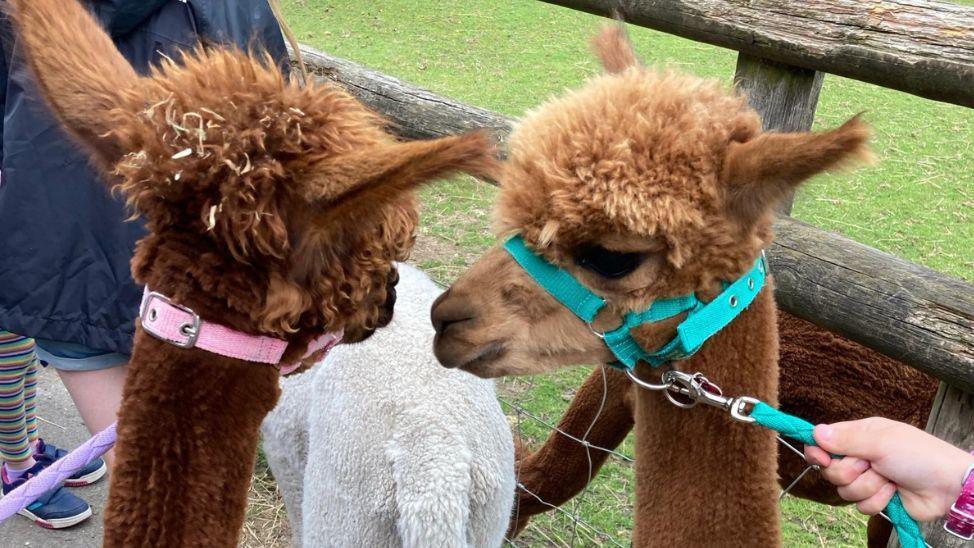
(824, 378)
(671, 177)
(272, 209)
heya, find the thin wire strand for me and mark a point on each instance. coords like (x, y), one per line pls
(550, 426)
(588, 450)
(517, 473)
(575, 518)
(794, 482)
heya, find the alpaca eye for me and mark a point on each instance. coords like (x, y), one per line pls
(608, 264)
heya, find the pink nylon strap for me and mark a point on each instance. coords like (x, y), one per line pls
(960, 518)
(181, 326)
(325, 342)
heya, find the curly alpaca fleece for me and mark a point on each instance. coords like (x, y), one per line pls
(379, 446)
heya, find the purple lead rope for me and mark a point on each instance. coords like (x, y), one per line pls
(55, 474)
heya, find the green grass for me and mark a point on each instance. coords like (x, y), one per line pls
(511, 55)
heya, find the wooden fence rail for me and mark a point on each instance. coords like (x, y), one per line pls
(923, 47)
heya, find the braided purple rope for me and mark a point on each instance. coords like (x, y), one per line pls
(55, 474)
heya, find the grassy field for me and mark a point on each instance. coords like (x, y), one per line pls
(510, 55)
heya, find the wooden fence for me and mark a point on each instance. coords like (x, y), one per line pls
(924, 47)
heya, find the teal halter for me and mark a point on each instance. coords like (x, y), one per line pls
(703, 320)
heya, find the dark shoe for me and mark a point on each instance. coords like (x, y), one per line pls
(47, 453)
(55, 509)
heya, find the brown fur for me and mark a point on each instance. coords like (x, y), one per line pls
(272, 209)
(676, 169)
(824, 378)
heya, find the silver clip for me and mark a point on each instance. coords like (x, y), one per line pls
(699, 389)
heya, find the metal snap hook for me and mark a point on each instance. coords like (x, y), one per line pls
(688, 404)
(683, 385)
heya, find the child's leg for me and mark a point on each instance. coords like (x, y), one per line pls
(94, 378)
(16, 357)
(97, 395)
(30, 392)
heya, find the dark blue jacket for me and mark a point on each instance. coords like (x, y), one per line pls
(64, 245)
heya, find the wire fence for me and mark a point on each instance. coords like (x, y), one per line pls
(581, 522)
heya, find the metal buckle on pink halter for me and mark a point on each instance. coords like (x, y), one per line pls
(181, 326)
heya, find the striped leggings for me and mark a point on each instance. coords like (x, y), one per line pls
(18, 386)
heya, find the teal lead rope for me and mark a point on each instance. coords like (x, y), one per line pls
(801, 430)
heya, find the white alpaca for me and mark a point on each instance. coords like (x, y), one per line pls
(380, 446)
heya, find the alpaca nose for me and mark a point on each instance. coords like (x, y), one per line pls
(449, 311)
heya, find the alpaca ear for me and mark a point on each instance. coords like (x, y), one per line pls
(756, 174)
(83, 77)
(614, 49)
(370, 178)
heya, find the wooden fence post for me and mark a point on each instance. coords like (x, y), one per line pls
(784, 96)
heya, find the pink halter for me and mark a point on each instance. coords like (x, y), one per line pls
(182, 327)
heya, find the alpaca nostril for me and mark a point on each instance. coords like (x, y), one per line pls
(441, 325)
(447, 312)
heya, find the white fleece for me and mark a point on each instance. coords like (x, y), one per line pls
(381, 446)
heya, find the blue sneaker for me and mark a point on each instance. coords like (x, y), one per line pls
(55, 509)
(46, 454)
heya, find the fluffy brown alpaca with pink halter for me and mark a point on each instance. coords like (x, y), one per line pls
(273, 209)
(673, 176)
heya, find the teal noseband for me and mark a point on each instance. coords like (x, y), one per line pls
(703, 320)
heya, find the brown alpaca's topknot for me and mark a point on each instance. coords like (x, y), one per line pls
(660, 156)
(635, 152)
(225, 134)
(613, 48)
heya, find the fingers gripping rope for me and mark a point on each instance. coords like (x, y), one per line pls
(55, 474)
(801, 430)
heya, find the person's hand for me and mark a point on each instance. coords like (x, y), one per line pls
(883, 456)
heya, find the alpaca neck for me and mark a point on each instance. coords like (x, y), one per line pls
(216, 288)
(702, 478)
(187, 440)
